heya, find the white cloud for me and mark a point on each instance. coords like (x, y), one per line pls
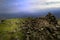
(42, 4)
(53, 1)
(31, 5)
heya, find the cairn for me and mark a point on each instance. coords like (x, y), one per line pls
(42, 28)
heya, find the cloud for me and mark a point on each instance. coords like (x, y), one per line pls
(41, 4)
(52, 0)
(13, 6)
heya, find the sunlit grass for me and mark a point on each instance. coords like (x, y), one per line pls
(10, 24)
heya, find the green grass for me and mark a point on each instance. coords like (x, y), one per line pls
(10, 25)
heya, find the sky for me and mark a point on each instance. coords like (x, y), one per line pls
(14, 6)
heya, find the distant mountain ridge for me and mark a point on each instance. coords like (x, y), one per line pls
(38, 13)
(26, 15)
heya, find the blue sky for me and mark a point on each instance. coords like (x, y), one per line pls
(14, 6)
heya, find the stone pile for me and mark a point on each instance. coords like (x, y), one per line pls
(42, 28)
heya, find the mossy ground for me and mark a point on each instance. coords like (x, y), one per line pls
(9, 25)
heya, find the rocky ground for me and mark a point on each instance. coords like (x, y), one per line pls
(40, 28)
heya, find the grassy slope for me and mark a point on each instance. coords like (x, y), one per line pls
(10, 25)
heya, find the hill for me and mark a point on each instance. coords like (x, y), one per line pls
(30, 28)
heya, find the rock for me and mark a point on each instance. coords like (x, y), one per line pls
(42, 27)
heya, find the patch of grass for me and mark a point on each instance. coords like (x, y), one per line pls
(10, 24)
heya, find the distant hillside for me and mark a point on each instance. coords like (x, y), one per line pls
(24, 15)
